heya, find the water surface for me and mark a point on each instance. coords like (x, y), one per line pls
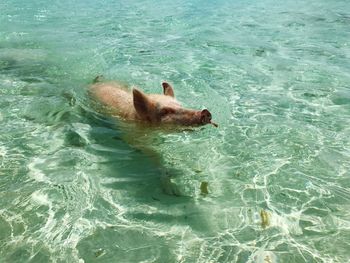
(76, 186)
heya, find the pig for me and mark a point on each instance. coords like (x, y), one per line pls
(154, 109)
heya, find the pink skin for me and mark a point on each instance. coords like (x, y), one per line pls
(151, 108)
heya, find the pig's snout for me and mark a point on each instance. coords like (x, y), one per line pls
(206, 118)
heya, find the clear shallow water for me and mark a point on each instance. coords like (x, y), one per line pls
(75, 186)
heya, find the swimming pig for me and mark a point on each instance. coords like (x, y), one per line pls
(156, 109)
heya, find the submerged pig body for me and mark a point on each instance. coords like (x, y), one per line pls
(148, 108)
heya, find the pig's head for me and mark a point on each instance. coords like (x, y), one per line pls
(165, 109)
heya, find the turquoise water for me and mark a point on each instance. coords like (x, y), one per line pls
(78, 186)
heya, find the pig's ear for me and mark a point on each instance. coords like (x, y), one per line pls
(141, 103)
(168, 89)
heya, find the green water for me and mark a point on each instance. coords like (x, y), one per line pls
(76, 186)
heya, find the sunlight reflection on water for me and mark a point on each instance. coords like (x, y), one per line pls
(80, 186)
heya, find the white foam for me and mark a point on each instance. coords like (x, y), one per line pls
(287, 223)
(3, 151)
(263, 256)
(36, 173)
(40, 198)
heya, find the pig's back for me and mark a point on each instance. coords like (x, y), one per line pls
(116, 97)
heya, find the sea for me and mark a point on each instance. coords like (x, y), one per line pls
(270, 184)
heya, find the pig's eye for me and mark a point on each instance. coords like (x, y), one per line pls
(166, 111)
